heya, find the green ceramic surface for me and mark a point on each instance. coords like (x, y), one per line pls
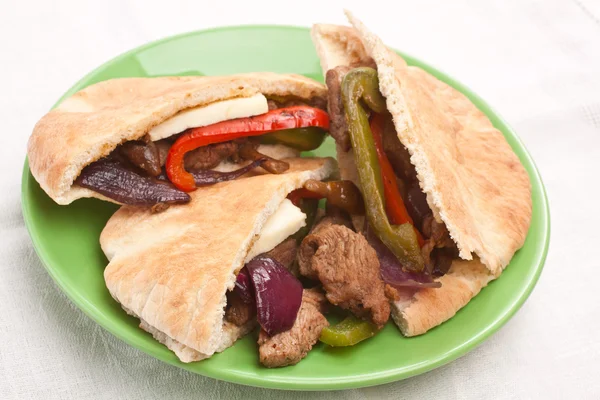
(66, 237)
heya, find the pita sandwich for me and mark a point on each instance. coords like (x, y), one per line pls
(173, 269)
(474, 183)
(92, 123)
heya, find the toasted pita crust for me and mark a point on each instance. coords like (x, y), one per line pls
(172, 269)
(337, 45)
(231, 333)
(430, 307)
(90, 124)
(474, 182)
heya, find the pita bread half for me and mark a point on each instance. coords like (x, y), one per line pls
(337, 45)
(474, 182)
(90, 124)
(172, 269)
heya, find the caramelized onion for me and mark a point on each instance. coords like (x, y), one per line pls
(116, 182)
(210, 177)
(342, 194)
(248, 152)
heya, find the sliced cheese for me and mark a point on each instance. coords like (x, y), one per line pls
(210, 114)
(285, 221)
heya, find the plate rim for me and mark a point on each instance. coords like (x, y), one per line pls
(291, 383)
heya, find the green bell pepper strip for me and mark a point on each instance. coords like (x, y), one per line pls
(363, 84)
(348, 332)
(303, 139)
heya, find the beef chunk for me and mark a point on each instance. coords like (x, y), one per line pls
(338, 128)
(332, 218)
(210, 156)
(439, 249)
(316, 298)
(163, 147)
(397, 154)
(237, 312)
(289, 347)
(318, 102)
(285, 252)
(143, 154)
(348, 268)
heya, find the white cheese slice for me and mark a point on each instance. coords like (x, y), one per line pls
(285, 221)
(196, 117)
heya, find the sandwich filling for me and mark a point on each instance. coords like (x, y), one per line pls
(375, 245)
(377, 242)
(404, 201)
(206, 145)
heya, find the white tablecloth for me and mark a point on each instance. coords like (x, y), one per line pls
(536, 62)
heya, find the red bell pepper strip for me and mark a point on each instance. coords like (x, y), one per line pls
(396, 210)
(282, 118)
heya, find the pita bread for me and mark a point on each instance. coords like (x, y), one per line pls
(473, 181)
(430, 307)
(90, 124)
(172, 269)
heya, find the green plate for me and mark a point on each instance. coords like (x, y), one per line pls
(66, 237)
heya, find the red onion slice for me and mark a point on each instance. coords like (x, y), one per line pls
(243, 286)
(113, 180)
(391, 270)
(398, 278)
(278, 294)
